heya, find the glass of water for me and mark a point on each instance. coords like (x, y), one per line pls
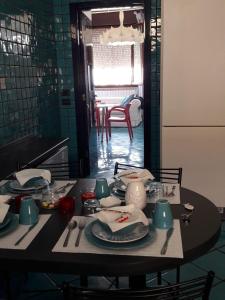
(155, 191)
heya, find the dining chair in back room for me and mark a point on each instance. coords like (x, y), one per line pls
(123, 116)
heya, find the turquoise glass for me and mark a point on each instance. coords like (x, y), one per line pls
(101, 188)
(29, 211)
(162, 216)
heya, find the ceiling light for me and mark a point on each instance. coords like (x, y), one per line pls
(119, 36)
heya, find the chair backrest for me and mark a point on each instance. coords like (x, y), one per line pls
(58, 170)
(165, 175)
(197, 288)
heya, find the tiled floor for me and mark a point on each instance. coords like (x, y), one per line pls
(104, 155)
(103, 160)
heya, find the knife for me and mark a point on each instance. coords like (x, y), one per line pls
(23, 236)
(165, 245)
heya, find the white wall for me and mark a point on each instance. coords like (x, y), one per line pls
(193, 93)
(193, 62)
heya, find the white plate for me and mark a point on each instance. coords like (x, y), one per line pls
(128, 234)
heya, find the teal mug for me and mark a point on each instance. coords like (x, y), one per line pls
(162, 216)
(28, 214)
(101, 188)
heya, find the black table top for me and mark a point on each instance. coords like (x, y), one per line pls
(197, 238)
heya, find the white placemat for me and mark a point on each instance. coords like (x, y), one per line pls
(175, 248)
(172, 199)
(61, 183)
(8, 241)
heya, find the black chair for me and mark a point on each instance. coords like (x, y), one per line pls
(197, 288)
(58, 170)
(164, 175)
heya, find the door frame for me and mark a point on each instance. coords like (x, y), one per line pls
(78, 67)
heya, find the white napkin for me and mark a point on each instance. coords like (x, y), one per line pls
(3, 211)
(110, 201)
(111, 216)
(4, 198)
(128, 176)
(25, 175)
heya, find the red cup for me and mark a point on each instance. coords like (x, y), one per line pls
(66, 205)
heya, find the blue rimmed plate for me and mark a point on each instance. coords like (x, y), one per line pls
(146, 240)
(13, 186)
(12, 225)
(131, 233)
(7, 219)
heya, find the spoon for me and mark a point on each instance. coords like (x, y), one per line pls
(71, 225)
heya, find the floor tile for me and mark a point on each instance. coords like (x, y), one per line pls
(218, 292)
(103, 155)
(187, 271)
(214, 261)
(221, 241)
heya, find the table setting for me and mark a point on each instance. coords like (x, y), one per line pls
(115, 227)
(30, 191)
(154, 190)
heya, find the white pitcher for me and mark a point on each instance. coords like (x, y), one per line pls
(136, 194)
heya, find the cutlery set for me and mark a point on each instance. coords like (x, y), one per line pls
(71, 226)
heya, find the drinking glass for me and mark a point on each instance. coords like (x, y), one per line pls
(101, 188)
(66, 205)
(29, 211)
(155, 191)
(162, 216)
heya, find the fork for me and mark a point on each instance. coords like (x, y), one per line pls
(81, 225)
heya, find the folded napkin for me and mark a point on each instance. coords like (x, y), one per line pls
(25, 175)
(132, 175)
(4, 198)
(109, 201)
(113, 216)
(3, 211)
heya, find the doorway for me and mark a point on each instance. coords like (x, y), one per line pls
(88, 77)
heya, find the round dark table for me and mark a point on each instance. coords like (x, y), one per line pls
(197, 237)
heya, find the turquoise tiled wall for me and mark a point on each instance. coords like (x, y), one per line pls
(36, 73)
(28, 70)
(62, 20)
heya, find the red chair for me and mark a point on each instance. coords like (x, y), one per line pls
(124, 117)
(97, 115)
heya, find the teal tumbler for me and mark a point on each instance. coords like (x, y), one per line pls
(101, 188)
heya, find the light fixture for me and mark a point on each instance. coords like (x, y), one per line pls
(119, 36)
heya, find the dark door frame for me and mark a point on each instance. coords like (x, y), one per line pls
(75, 10)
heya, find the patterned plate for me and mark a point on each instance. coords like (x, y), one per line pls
(128, 234)
(13, 186)
(147, 240)
(6, 220)
(11, 226)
